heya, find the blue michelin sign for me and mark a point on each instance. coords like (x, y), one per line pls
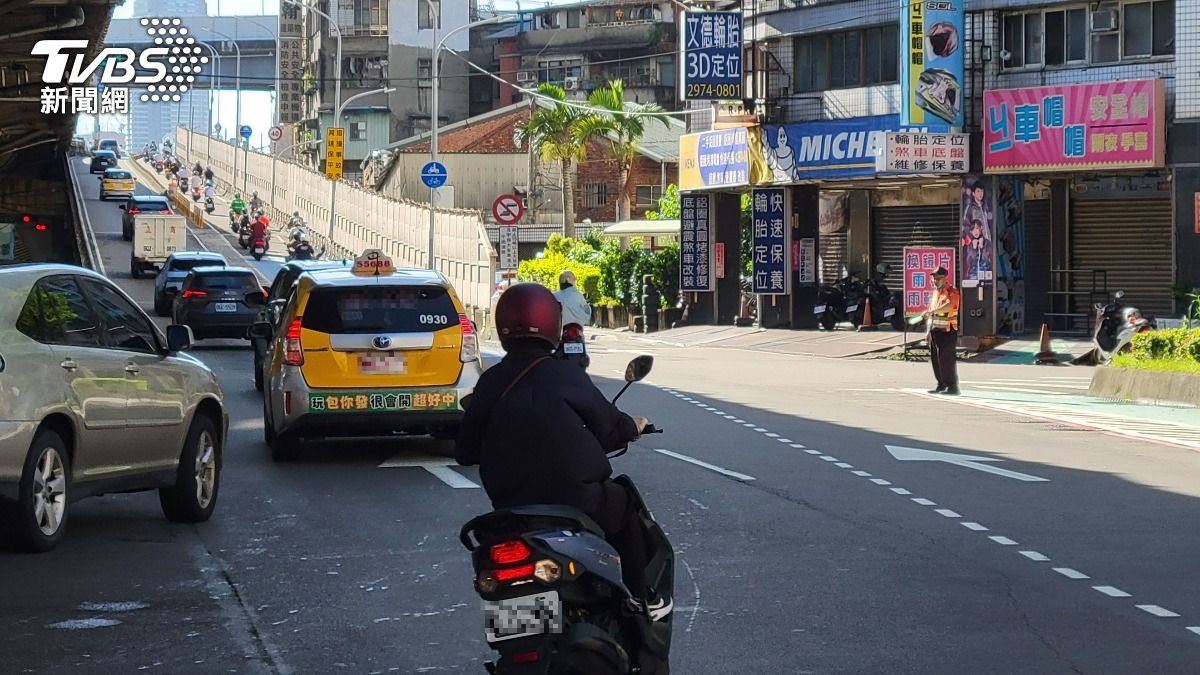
(825, 149)
(712, 56)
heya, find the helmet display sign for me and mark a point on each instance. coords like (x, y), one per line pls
(373, 263)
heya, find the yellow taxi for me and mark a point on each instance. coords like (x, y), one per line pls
(116, 183)
(370, 351)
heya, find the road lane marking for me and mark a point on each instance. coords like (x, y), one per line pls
(813, 452)
(843, 465)
(1070, 573)
(437, 465)
(450, 477)
(760, 430)
(974, 527)
(880, 481)
(1160, 612)
(947, 513)
(796, 445)
(900, 491)
(828, 458)
(1111, 591)
(905, 454)
(1034, 556)
(1194, 629)
(771, 434)
(1004, 541)
(706, 465)
(861, 474)
(784, 440)
(924, 502)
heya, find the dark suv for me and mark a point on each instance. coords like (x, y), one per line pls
(101, 160)
(141, 204)
(175, 270)
(277, 296)
(219, 302)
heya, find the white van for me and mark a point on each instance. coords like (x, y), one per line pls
(155, 237)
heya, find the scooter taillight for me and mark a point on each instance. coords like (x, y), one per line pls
(524, 657)
(509, 552)
(512, 573)
(572, 332)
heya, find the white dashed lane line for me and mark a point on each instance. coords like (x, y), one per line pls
(1031, 555)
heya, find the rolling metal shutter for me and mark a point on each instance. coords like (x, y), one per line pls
(835, 255)
(1131, 240)
(894, 227)
(1037, 262)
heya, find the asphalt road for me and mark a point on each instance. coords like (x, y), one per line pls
(804, 545)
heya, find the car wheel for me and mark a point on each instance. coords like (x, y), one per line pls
(127, 232)
(39, 517)
(135, 270)
(160, 308)
(285, 446)
(258, 369)
(444, 432)
(198, 478)
(828, 322)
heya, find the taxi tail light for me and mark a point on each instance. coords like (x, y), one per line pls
(470, 341)
(293, 354)
(194, 294)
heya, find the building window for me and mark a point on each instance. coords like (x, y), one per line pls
(557, 72)
(425, 14)
(848, 59)
(425, 70)
(358, 131)
(1109, 33)
(648, 195)
(573, 17)
(595, 195)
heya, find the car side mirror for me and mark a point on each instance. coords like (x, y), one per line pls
(179, 338)
(260, 330)
(639, 368)
(122, 207)
(256, 299)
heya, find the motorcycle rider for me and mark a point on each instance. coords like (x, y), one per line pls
(259, 229)
(255, 202)
(303, 250)
(575, 307)
(197, 169)
(208, 174)
(540, 431)
(237, 205)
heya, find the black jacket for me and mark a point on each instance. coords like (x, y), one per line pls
(546, 441)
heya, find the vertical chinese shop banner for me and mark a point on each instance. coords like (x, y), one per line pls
(696, 243)
(1010, 255)
(1105, 125)
(931, 63)
(919, 265)
(770, 245)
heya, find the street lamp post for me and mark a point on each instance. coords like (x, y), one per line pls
(275, 159)
(237, 115)
(337, 80)
(433, 101)
(215, 78)
(337, 122)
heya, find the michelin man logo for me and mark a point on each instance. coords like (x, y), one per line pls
(167, 70)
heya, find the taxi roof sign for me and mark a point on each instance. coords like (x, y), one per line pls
(373, 263)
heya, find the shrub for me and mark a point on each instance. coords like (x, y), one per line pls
(1176, 344)
(545, 271)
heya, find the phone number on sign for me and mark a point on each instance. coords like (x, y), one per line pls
(714, 91)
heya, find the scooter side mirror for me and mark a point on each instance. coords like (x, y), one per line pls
(1119, 294)
(639, 368)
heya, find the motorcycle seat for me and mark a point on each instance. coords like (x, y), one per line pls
(507, 523)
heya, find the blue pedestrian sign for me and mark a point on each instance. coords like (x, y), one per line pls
(433, 174)
(245, 131)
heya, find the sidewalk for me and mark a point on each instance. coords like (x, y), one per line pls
(838, 344)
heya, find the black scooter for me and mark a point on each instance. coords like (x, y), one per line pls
(572, 346)
(887, 306)
(840, 301)
(554, 602)
(1116, 324)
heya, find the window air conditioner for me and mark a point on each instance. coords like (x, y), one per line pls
(1105, 20)
(524, 76)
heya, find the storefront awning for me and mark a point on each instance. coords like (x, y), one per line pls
(643, 228)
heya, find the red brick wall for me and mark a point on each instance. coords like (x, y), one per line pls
(510, 63)
(645, 172)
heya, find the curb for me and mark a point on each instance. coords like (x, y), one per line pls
(1145, 386)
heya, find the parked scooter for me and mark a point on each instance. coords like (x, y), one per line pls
(572, 346)
(840, 301)
(887, 306)
(553, 597)
(1116, 324)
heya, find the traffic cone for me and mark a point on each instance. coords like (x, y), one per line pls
(868, 322)
(1046, 354)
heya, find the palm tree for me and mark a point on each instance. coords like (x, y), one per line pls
(621, 130)
(551, 133)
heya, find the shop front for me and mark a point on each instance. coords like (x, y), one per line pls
(1097, 152)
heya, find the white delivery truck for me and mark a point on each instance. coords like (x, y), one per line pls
(154, 238)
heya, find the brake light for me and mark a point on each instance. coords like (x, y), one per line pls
(132, 211)
(524, 657)
(470, 341)
(509, 552)
(166, 211)
(293, 355)
(572, 332)
(513, 573)
(40, 227)
(194, 294)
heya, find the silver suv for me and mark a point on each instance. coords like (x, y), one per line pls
(94, 400)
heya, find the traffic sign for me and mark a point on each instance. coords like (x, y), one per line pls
(508, 209)
(433, 174)
(245, 131)
(276, 133)
(510, 240)
(334, 152)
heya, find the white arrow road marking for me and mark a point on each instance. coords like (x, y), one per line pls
(706, 465)
(968, 461)
(437, 465)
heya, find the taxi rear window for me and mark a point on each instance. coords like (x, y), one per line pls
(380, 309)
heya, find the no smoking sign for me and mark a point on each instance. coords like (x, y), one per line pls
(508, 209)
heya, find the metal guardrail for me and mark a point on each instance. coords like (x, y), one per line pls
(85, 237)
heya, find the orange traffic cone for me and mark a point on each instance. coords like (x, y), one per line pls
(1046, 354)
(868, 323)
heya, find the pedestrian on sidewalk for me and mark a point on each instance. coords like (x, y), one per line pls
(943, 333)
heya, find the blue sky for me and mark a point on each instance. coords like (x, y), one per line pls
(260, 7)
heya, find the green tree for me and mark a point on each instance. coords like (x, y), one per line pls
(550, 131)
(621, 130)
(668, 206)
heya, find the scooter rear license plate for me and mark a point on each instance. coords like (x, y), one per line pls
(521, 617)
(572, 347)
(819, 309)
(889, 312)
(852, 308)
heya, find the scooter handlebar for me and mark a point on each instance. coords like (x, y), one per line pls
(651, 429)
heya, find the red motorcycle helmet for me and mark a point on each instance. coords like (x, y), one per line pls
(528, 311)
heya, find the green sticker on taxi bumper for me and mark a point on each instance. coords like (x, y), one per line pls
(383, 401)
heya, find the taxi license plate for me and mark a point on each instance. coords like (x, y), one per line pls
(381, 364)
(225, 307)
(819, 309)
(521, 617)
(573, 348)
